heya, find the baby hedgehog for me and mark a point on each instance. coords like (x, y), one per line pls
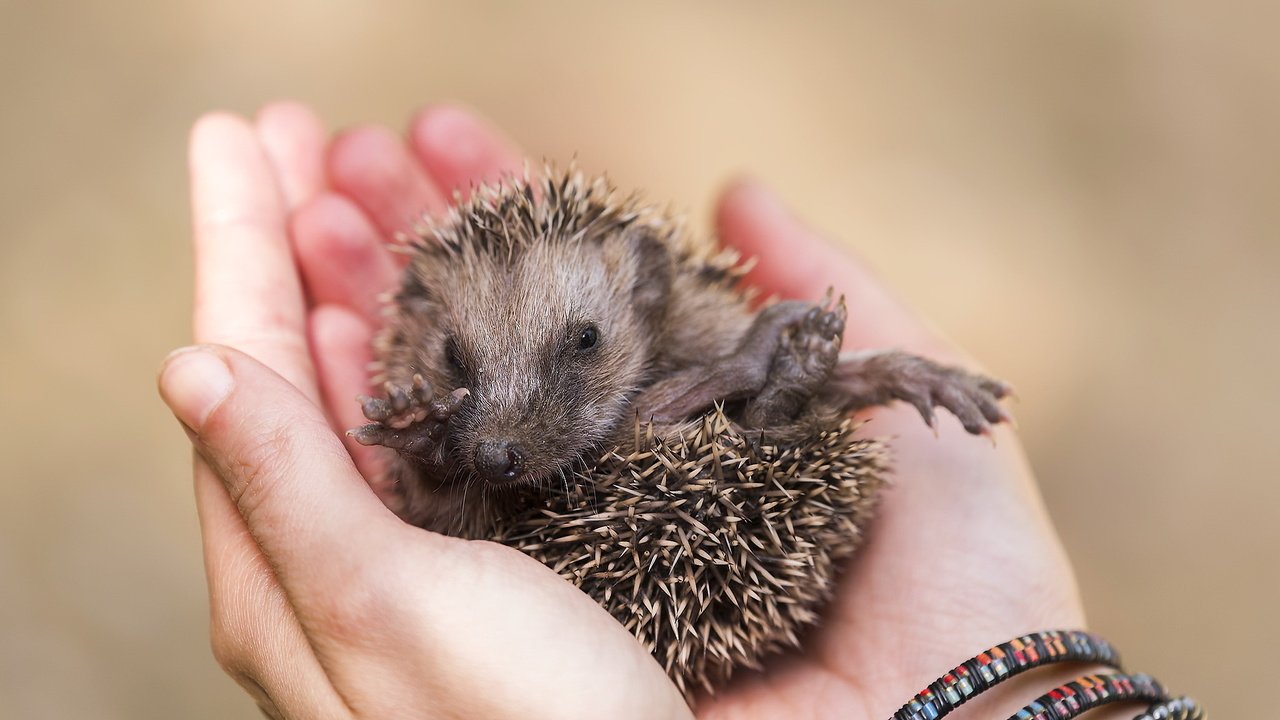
(569, 373)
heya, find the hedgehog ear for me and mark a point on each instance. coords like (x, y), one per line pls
(653, 273)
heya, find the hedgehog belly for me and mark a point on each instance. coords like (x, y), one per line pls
(712, 549)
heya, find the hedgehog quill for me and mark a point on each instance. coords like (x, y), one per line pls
(568, 372)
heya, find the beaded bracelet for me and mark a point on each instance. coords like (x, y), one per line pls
(1182, 708)
(1090, 691)
(1067, 701)
(1003, 662)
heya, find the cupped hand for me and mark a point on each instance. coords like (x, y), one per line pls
(961, 556)
(325, 605)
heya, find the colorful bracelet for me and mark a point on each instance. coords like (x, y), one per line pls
(1182, 708)
(1002, 662)
(1090, 691)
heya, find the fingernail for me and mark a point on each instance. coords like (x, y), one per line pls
(193, 381)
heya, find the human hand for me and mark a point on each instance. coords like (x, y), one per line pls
(323, 603)
(961, 556)
(925, 593)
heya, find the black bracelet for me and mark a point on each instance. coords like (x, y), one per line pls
(1002, 662)
(1090, 691)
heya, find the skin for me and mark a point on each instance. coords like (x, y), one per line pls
(325, 605)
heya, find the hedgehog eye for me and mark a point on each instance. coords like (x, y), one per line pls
(453, 355)
(588, 338)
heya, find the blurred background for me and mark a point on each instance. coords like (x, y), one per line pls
(1085, 194)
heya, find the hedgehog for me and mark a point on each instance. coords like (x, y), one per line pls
(567, 371)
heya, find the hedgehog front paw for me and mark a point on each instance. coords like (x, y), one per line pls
(410, 419)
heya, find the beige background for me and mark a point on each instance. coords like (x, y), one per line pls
(1083, 193)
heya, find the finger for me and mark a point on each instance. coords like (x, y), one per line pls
(343, 261)
(284, 468)
(248, 295)
(239, 222)
(294, 139)
(255, 634)
(459, 149)
(342, 340)
(374, 168)
(793, 261)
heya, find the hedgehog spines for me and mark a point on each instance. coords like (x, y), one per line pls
(713, 549)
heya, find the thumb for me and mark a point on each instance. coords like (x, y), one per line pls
(287, 473)
(794, 261)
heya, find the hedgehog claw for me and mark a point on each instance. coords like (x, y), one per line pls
(445, 407)
(998, 388)
(370, 434)
(989, 433)
(924, 406)
(411, 419)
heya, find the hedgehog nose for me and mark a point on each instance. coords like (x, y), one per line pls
(499, 460)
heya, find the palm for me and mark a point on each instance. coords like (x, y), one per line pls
(962, 554)
(904, 593)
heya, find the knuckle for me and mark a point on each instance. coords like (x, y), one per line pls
(260, 469)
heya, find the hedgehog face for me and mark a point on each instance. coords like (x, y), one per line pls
(552, 339)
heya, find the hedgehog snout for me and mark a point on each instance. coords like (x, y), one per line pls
(500, 460)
